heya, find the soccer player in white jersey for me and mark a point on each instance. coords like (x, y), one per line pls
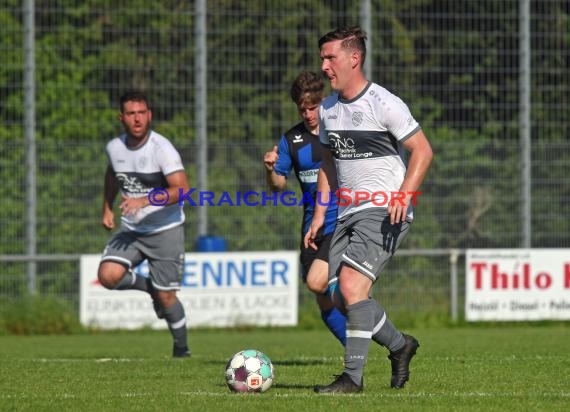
(362, 128)
(140, 161)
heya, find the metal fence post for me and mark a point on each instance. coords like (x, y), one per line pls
(453, 257)
(525, 125)
(202, 109)
(30, 138)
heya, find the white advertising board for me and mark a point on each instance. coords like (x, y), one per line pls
(218, 290)
(517, 284)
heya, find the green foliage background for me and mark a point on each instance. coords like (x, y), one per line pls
(454, 63)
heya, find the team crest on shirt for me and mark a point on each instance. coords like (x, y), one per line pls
(357, 118)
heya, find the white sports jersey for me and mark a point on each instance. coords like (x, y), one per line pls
(365, 135)
(142, 169)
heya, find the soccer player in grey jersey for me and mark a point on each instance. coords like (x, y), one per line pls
(363, 126)
(141, 160)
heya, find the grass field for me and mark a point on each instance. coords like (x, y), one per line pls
(511, 367)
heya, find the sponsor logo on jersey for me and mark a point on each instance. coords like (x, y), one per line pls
(309, 176)
(298, 138)
(131, 184)
(332, 117)
(339, 142)
(345, 148)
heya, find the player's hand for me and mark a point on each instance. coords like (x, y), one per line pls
(311, 235)
(398, 209)
(270, 159)
(108, 220)
(131, 205)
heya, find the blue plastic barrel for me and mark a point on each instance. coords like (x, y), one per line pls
(211, 244)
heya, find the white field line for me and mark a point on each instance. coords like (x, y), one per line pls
(308, 394)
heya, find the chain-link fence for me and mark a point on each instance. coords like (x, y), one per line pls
(456, 63)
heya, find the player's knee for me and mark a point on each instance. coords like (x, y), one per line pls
(106, 281)
(167, 298)
(315, 286)
(349, 292)
(110, 275)
(318, 282)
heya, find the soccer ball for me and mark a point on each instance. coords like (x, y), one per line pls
(249, 371)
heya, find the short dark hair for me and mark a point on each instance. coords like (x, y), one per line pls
(133, 96)
(353, 37)
(307, 87)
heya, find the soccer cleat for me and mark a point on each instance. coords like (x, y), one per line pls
(342, 384)
(183, 352)
(401, 361)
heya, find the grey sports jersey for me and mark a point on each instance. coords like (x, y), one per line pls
(364, 136)
(140, 170)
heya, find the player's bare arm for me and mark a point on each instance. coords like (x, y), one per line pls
(274, 181)
(327, 174)
(177, 181)
(420, 159)
(110, 190)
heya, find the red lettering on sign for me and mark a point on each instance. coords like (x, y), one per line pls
(523, 279)
(478, 267)
(543, 280)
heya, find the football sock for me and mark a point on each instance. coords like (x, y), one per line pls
(336, 322)
(176, 320)
(132, 281)
(360, 321)
(384, 332)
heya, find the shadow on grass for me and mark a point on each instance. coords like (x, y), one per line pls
(292, 386)
(294, 362)
(277, 385)
(301, 362)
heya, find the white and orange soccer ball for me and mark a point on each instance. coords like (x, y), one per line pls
(249, 371)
